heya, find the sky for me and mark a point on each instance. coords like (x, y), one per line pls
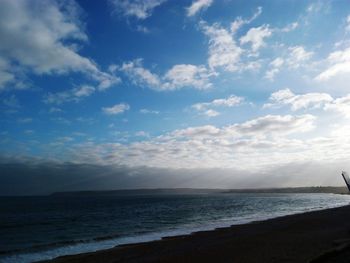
(122, 94)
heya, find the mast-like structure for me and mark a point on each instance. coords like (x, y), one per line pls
(346, 179)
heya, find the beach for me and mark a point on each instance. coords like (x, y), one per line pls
(319, 236)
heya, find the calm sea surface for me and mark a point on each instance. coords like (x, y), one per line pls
(37, 228)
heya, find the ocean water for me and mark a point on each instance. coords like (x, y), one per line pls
(38, 228)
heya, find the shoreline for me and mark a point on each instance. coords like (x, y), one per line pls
(298, 237)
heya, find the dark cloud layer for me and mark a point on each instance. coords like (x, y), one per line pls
(40, 177)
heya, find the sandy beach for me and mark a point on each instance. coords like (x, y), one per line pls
(320, 236)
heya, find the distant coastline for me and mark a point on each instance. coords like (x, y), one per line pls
(160, 191)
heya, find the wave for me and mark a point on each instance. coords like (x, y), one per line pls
(50, 251)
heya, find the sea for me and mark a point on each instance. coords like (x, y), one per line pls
(37, 228)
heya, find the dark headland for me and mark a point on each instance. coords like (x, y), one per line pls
(317, 237)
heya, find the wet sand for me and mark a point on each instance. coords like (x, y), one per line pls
(321, 236)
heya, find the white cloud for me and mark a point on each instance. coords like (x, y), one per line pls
(347, 28)
(139, 75)
(239, 21)
(266, 126)
(297, 102)
(315, 7)
(197, 6)
(5, 75)
(61, 141)
(271, 73)
(275, 66)
(75, 94)
(142, 29)
(211, 113)
(83, 91)
(257, 143)
(199, 132)
(341, 105)
(297, 56)
(140, 9)
(276, 63)
(116, 109)
(231, 101)
(62, 120)
(256, 36)
(179, 76)
(186, 75)
(270, 125)
(11, 102)
(206, 107)
(147, 111)
(54, 110)
(105, 80)
(223, 50)
(338, 65)
(25, 120)
(142, 134)
(307, 101)
(290, 27)
(35, 36)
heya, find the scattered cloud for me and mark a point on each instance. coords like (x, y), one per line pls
(239, 21)
(223, 49)
(86, 120)
(295, 58)
(340, 105)
(6, 76)
(206, 107)
(270, 125)
(186, 75)
(142, 134)
(142, 29)
(231, 101)
(347, 27)
(73, 95)
(140, 75)
(37, 41)
(178, 77)
(211, 113)
(309, 101)
(11, 102)
(298, 56)
(197, 6)
(209, 146)
(297, 102)
(255, 36)
(25, 120)
(140, 9)
(338, 65)
(61, 120)
(275, 67)
(44, 41)
(147, 111)
(290, 27)
(116, 109)
(29, 132)
(55, 110)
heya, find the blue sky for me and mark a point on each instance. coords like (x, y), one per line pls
(202, 84)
